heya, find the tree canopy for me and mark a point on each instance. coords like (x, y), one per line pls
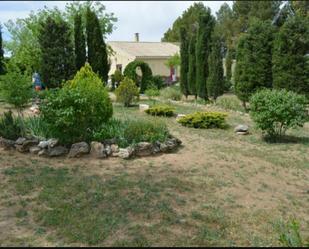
(188, 19)
(57, 54)
(24, 45)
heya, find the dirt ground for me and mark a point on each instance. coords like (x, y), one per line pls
(226, 189)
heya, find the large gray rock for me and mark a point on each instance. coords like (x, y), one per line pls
(126, 153)
(97, 150)
(7, 144)
(115, 148)
(20, 140)
(43, 152)
(23, 144)
(79, 149)
(170, 145)
(34, 149)
(156, 147)
(144, 149)
(57, 151)
(52, 142)
(241, 128)
(43, 144)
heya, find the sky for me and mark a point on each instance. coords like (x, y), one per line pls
(148, 18)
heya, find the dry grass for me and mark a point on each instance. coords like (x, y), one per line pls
(219, 189)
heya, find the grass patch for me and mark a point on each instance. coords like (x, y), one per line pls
(89, 209)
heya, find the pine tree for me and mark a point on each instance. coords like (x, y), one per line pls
(215, 81)
(290, 59)
(184, 67)
(97, 53)
(192, 66)
(57, 55)
(80, 42)
(202, 50)
(1, 54)
(254, 60)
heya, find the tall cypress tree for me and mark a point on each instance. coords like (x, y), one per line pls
(97, 53)
(56, 51)
(228, 64)
(80, 42)
(215, 81)
(254, 60)
(290, 59)
(202, 50)
(1, 54)
(192, 66)
(184, 67)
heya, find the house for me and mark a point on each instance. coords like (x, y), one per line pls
(155, 54)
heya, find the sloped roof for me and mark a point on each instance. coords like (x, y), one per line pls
(146, 49)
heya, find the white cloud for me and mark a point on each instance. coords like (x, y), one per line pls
(149, 18)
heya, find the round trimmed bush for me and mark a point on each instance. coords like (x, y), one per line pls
(204, 120)
(161, 110)
(275, 111)
(82, 105)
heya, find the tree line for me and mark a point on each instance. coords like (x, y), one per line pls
(58, 43)
(268, 39)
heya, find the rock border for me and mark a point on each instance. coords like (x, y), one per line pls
(99, 150)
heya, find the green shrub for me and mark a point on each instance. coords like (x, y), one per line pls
(127, 92)
(82, 105)
(36, 127)
(158, 81)
(15, 87)
(275, 111)
(230, 103)
(113, 128)
(161, 110)
(204, 120)
(172, 93)
(129, 132)
(152, 92)
(144, 130)
(10, 127)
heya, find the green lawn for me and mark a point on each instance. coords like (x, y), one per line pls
(218, 189)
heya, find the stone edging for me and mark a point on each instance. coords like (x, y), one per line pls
(109, 147)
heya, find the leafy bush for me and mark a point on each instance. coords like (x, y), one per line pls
(275, 111)
(161, 110)
(113, 128)
(130, 132)
(127, 92)
(204, 120)
(15, 87)
(172, 93)
(152, 92)
(158, 81)
(36, 127)
(10, 127)
(230, 103)
(81, 106)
